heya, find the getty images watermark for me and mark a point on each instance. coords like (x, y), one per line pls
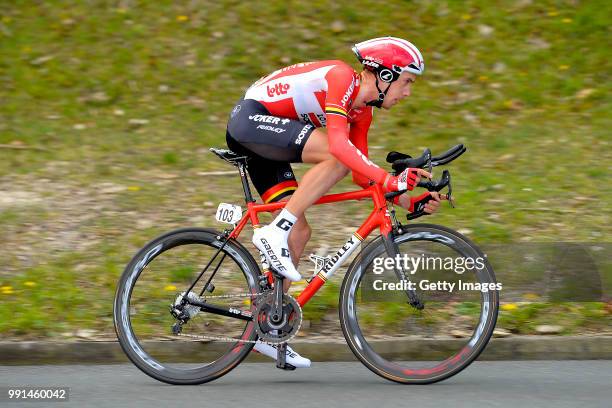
(409, 265)
(530, 271)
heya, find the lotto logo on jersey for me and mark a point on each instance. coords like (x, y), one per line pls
(278, 89)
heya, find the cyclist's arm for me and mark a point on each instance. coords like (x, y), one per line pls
(359, 136)
(340, 81)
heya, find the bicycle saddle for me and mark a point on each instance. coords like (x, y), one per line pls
(229, 156)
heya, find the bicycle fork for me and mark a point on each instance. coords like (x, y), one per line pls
(393, 252)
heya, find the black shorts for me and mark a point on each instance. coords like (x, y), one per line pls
(272, 143)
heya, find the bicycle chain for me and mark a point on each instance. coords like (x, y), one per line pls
(230, 339)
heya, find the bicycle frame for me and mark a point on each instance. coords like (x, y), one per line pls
(378, 218)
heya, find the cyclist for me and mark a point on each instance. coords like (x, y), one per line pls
(281, 120)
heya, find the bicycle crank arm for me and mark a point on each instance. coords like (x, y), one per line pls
(277, 308)
(223, 311)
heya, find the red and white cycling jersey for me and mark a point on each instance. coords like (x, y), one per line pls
(322, 94)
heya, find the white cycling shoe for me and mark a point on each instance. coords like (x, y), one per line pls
(274, 246)
(292, 357)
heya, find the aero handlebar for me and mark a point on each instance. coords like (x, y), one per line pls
(401, 161)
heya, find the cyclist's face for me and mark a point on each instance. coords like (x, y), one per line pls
(399, 90)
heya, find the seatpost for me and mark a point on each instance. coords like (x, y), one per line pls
(245, 183)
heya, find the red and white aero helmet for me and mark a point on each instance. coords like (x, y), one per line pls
(389, 57)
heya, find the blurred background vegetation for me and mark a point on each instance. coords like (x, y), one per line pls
(107, 109)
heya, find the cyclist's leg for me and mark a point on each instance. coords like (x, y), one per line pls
(275, 181)
(251, 127)
(316, 149)
(319, 179)
(298, 238)
(272, 143)
(322, 177)
(269, 177)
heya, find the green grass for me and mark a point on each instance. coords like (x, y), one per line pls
(133, 94)
(573, 318)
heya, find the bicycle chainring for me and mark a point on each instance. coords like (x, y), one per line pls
(282, 332)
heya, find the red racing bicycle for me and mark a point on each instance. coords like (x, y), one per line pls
(417, 304)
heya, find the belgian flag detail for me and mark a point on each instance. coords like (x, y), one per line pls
(335, 111)
(279, 191)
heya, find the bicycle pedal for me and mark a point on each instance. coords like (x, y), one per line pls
(281, 356)
(286, 367)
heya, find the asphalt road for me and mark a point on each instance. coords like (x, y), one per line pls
(517, 384)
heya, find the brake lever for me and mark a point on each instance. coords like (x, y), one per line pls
(432, 185)
(449, 195)
(437, 186)
(429, 185)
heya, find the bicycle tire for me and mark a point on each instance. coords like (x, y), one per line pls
(129, 341)
(365, 352)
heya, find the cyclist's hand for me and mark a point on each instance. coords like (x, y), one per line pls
(428, 202)
(406, 180)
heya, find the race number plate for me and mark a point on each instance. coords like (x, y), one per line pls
(228, 213)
